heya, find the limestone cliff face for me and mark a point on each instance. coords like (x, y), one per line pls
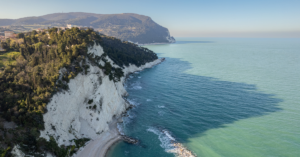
(90, 103)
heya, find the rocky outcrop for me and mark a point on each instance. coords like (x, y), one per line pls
(182, 151)
(129, 139)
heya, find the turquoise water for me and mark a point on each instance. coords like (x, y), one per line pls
(218, 97)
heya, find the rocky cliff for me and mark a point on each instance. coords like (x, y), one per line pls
(91, 102)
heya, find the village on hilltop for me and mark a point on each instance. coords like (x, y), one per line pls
(12, 35)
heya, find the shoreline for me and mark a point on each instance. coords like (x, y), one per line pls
(100, 146)
(106, 151)
(155, 44)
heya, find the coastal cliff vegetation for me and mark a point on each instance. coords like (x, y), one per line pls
(30, 75)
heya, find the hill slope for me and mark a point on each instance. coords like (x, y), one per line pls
(130, 27)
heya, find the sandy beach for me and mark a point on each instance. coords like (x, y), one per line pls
(98, 147)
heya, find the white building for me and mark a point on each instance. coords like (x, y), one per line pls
(69, 26)
(9, 34)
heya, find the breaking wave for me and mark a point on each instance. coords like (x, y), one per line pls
(136, 87)
(166, 141)
(169, 143)
(120, 128)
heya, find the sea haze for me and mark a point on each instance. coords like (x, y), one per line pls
(218, 97)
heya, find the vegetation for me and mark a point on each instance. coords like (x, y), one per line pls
(30, 75)
(125, 53)
(90, 101)
(8, 58)
(129, 27)
(3, 152)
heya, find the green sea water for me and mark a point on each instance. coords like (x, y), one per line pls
(218, 97)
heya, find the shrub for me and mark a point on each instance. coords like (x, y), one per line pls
(90, 101)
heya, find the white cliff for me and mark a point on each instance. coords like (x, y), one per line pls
(91, 102)
(170, 38)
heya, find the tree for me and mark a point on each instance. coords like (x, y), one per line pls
(4, 45)
(75, 51)
(20, 35)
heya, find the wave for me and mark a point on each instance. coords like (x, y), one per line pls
(168, 135)
(169, 143)
(161, 113)
(120, 128)
(136, 87)
(149, 100)
(130, 115)
(162, 106)
(166, 141)
(133, 102)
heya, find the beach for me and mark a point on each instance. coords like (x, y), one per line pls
(98, 147)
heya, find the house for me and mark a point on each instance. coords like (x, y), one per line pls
(9, 34)
(38, 30)
(2, 37)
(69, 26)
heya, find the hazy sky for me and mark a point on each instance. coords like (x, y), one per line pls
(184, 18)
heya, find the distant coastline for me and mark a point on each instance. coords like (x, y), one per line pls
(155, 44)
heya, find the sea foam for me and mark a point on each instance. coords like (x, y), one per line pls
(169, 143)
(165, 139)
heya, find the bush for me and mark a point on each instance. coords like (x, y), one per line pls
(90, 101)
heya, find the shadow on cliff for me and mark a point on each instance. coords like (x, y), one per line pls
(195, 104)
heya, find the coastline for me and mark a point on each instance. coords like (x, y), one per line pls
(155, 44)
(100, 146)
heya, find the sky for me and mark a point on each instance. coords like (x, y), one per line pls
(183, 18)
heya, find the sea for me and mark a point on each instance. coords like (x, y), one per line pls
(218, 97)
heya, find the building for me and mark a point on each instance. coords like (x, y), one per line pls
(38, 30)
(69, 26)
(9, 34)
(2, 38)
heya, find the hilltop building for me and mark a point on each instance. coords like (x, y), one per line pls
(38, 30)
(9, 34)
(69, 26)
(2, 37)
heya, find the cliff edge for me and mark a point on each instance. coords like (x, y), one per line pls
(90, 104)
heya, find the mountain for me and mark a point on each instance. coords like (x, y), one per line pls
(128, 26)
